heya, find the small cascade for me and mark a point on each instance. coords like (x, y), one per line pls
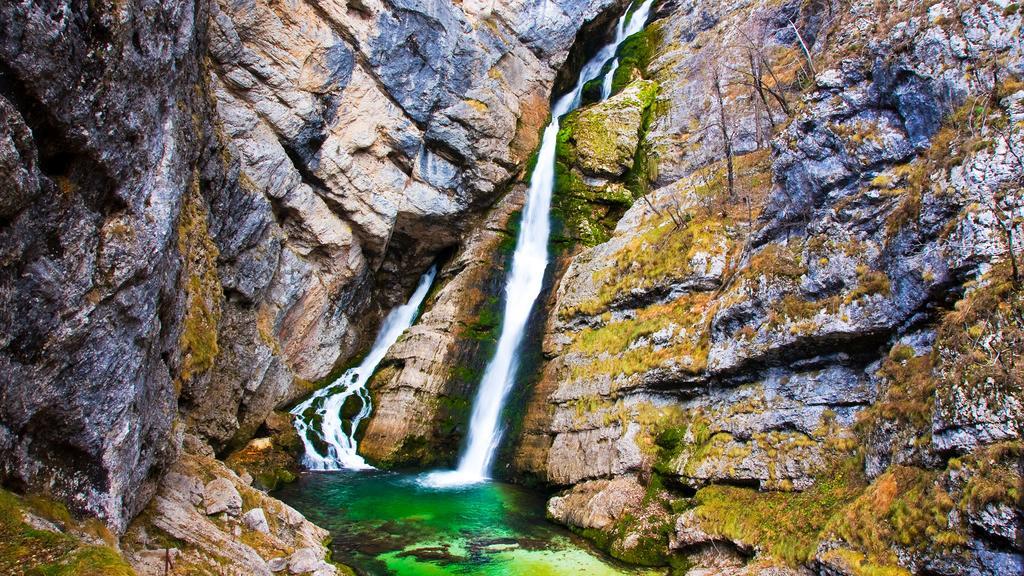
(336, 432)
(526, 279)
(630, 23)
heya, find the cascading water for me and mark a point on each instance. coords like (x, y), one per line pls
(337, 433)
(527, 276)
(629, 24)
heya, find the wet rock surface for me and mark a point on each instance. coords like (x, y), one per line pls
(423, 392)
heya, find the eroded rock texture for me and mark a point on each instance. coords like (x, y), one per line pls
(206, 206)
(205, 518)
(369, 136)
(424, 391)
(102, 141)
(794, 338)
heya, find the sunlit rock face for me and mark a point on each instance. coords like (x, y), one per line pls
(208, 205)
(795, 331)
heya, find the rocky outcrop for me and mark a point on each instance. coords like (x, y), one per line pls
(206, 519)
(601, 140)
(597, 172)
(208, 205)
(781, 330)
(423, 392)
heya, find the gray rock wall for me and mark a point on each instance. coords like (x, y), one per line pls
(102, 133)
(207, 207)
(736, 349)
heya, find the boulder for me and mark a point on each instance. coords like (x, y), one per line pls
(309, 561)
(596, 504)
(256, 520)
(220, 495)
(601, 140)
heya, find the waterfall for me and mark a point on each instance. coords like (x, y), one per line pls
(526, 278)
(337, 433)
(628, 24)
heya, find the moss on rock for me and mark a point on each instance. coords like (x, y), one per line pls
(203, 292)
(597, 151)
(635, 55)
(601, 140)
(31, 550)
(273, 458)
(784, 525)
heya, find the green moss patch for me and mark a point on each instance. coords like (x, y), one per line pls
(606, 140)
(33, 552)
(271, 460)
(203, 292)
(635, 54)
(786, 526)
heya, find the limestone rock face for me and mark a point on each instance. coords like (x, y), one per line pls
(596, 504)
(98, 151)
(369, 139)
(601, 140)
(422, 394)
(801, 311)
(208, 205)
(251, 544)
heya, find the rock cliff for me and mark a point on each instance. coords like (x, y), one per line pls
(793, 351)
(208, 204)
(781, 333)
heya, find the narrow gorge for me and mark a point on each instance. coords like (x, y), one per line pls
(565, 287)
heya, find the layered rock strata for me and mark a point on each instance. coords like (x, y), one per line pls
(793, 340)
(208, 204)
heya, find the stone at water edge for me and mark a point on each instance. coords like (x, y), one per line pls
(307, 561)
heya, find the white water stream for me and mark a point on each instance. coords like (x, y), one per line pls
(335, 432)
(527, 276)
(628, 25)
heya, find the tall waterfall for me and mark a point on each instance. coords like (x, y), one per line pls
(627, 25)
(336, 433)
(526, 278)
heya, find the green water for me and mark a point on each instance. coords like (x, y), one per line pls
(386, 523)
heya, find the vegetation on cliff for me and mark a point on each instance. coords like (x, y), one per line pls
(819, 295)
(39, 537)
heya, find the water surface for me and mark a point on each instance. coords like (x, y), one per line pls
(387, 523)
